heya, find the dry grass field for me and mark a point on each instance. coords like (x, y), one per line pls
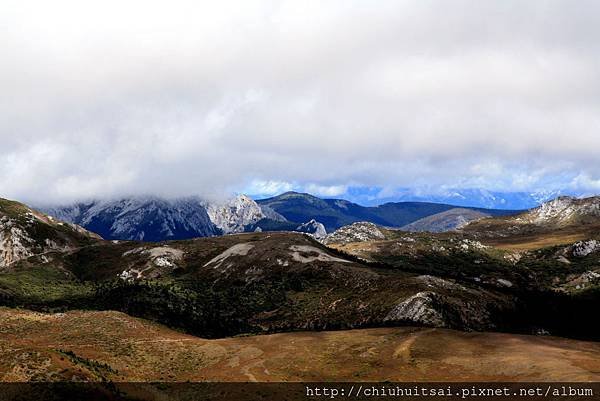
(96, 346)
(536, 241)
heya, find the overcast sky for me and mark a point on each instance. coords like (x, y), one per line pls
(108, 98)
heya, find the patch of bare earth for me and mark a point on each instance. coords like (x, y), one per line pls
(533, 242)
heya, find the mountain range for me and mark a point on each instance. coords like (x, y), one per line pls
(494, 273)
(466, 197)
(535, 273)
(157, 219)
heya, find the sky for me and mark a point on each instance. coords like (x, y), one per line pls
(175, 98)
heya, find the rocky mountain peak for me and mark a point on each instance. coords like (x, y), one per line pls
(313, 228)
(235, 214)
(355, 232)
(141, 218)
(563, 209)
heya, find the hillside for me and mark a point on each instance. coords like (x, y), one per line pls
(562, 268)
(373, 304)
(141, 218)
(99, 346)
(261, 283)
(270, 282)
(563, 220)
(25, 232)
(245, 283)
(361, 231)
(446, 221)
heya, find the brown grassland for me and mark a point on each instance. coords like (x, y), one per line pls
(101, 346)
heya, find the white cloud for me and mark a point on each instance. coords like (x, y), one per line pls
(584, 182)
(187, 97)
(326, 190)
(268, 188)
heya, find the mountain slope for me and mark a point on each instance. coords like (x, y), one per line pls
(248, 283)
(265, 282)
(446, 221)
(126, 349)
(156, 219)
(356, 232)
(314, 228)
(25, 232)
(560, 221)
(235, 214)
(561, 212)
(149, 219)
(564, 211)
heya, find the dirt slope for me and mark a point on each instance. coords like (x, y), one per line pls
(114, 346)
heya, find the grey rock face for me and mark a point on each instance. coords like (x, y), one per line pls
(585, 248)
(420, 308)
(313, 228)
(144, 219)
(356, 232)
(235, 214)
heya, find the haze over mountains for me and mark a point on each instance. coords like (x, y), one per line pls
(469, 197)
(156, 219)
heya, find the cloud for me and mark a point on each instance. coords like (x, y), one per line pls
(210, 98)
(268, 188)
(326, 190)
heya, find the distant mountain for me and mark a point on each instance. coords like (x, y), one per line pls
(565, 210)
(235, 214)
(332, 213)
(313, 228)
(157, 219)
(335, 213)
(474, 197)
(446, 221)
(573, 217)
(141, 218)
